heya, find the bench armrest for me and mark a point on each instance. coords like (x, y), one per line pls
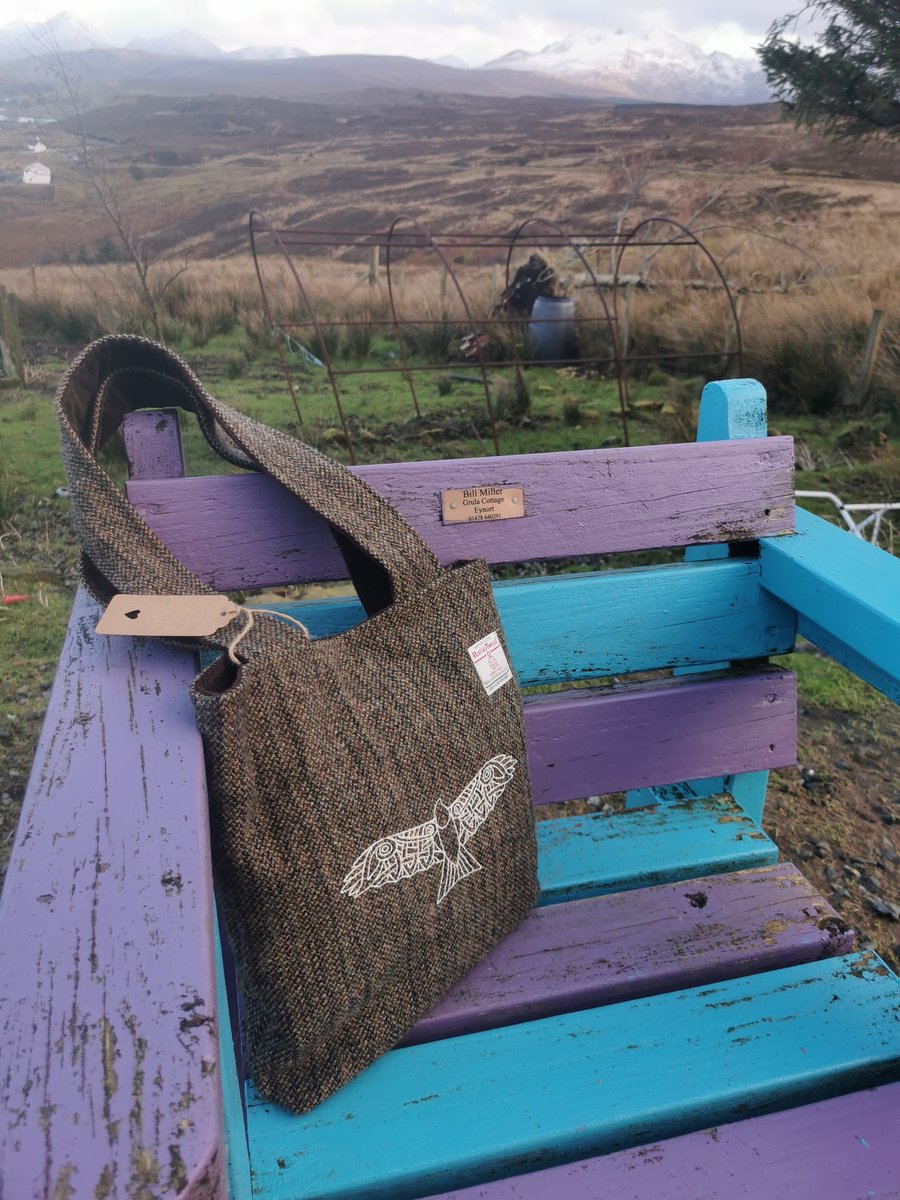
(107, 970)
(846, 593)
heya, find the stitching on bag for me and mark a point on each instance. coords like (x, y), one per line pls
(442, 839)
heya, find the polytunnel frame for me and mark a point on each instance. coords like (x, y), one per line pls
(683, 232)
(420, 238)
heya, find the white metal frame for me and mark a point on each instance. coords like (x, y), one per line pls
(870, 523)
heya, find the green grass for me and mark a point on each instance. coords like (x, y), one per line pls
(31, 633)
(824, 683)
(857, 459)
(381, 412)
(31, 464)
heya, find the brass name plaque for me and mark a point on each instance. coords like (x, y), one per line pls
(482, 504)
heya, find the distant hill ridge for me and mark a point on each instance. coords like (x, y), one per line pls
(657, 66)
(70, 34)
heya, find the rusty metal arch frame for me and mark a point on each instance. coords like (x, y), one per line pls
(422, 239)
(611, 318)
(473, 325)
(257, 217)
(629, 242)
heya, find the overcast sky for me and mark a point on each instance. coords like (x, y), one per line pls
(475, 30)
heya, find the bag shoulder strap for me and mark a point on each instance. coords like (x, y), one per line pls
(120, 374)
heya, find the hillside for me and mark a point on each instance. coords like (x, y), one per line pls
(187, 170)
(106, 72)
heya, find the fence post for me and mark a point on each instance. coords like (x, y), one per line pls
(870, 358)
(373, 265)
(12, 354)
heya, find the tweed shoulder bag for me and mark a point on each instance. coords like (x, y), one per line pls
(370, 809)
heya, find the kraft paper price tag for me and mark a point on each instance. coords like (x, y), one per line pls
(482, 503)
(491, 662)
(167, 616)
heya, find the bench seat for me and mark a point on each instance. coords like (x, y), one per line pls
(467, 1110)
(834, 1150)
(628, 945)
(675, 975)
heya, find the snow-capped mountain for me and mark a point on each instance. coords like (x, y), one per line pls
(648, 66)
(177, 45)
(65, 32)
(651, 66)
(267, 53)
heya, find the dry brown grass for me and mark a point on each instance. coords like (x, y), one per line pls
(807, 296)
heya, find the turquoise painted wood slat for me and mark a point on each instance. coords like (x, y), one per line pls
(879, 678)
(844, 1148)
(465, 1110)
(731, 409)
(236, 1149)
(592, 855)
(747, 788)
(614, 622)
(846, 593)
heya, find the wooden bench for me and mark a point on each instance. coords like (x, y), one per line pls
(682, 1017)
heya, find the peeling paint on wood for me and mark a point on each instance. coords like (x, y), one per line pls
(96, 955)
(560, 1089)
(64, 1189)
(598, 854)
(833, 1150)
(246, 531)
(616, 947)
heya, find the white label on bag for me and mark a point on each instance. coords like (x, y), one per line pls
(491, 662)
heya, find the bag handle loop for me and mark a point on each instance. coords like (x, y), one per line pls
(121, 374)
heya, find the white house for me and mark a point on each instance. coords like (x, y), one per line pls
(36, 173)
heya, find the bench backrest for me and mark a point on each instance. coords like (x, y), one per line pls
(244, 531)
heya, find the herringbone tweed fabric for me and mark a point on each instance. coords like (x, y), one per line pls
(370, 809)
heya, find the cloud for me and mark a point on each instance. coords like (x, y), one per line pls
(476, 31)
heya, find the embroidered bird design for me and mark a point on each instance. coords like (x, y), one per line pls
(442, 839)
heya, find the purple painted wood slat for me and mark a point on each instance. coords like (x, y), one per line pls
(589, 741)
(153, 444)
(110, 1079)
(632, 944)
(246, 531)
(840, 1149)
